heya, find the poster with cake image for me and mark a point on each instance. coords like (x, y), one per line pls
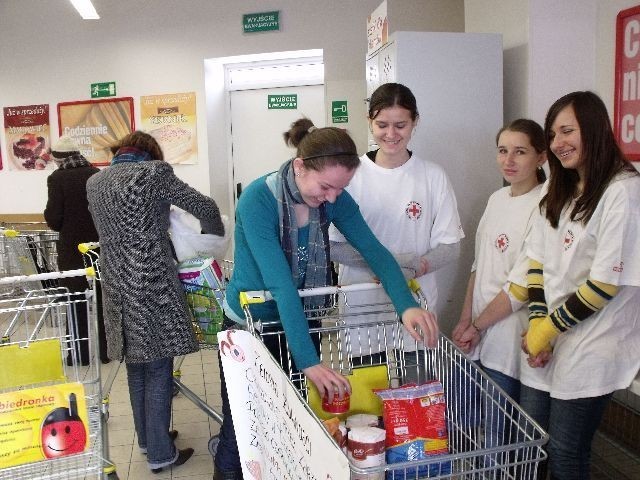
(96, 125)
(171, 120)
(27, 133)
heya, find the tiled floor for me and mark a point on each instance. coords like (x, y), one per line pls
(199, 374)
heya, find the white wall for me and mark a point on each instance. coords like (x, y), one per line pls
(50, 55)
(563, 47)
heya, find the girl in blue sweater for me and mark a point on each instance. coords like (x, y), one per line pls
(282, 245)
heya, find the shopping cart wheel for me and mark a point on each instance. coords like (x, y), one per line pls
(113, 476)
(213, 445)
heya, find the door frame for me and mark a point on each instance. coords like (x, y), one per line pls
(217, 86)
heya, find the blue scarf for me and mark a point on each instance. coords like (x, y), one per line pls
(318, 272)
(130, 155)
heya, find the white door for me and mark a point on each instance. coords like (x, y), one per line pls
(256, 130)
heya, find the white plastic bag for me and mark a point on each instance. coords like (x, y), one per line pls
(189, 243)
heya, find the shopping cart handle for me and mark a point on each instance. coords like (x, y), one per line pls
(85, 247)
(255, 296)
(10, 233)
(414, 285)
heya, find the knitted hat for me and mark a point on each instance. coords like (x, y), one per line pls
(65, 144)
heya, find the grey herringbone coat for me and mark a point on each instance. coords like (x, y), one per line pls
(145, 310)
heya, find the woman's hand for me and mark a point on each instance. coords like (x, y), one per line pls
(468, 339)
(422, 325)
(536, 361)
(327, 381)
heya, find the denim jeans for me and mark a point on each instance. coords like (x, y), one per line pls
(227, 459)
(150, 392)
(571, 425)
(498, 415)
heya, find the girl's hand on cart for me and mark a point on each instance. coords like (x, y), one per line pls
(459, 329)
(422, 325)
(328, 381)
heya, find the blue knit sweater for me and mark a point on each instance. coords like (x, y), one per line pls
(260, 264)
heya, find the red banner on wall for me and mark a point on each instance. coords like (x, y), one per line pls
(627, 82)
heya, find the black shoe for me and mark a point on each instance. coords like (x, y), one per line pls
(173, 434)
(183, 456)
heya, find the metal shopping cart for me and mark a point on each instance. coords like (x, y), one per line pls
(50, 406)
(472, 398)
(28, 253)
(204, 302)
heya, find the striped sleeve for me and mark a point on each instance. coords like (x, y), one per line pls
(590, 297)
(535, 286)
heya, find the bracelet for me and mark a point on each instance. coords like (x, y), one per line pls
(473, 324)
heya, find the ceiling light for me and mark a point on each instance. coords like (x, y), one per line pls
(86, 9)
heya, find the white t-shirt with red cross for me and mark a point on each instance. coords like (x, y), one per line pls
(499, 246)
(600, 354)
(411, 209)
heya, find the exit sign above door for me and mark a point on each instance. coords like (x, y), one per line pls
(261, 22)
(283, 102)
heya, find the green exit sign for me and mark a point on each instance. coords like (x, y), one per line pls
(339, 112)
(283, 102)
(261, 22)
(106, 89)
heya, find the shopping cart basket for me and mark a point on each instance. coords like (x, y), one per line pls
(27, 254)
(50, 405)
(204, 303)
(472, 398)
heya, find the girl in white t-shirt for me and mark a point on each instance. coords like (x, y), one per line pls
(408, 203)
(583, 281)
(492, 318)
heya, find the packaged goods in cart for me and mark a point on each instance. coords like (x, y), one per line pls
(202, 281)
(336, 404)
(414, 419)
(338, 431)
(366, 448)
(362, 420)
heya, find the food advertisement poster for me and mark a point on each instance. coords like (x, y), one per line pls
(96, 125)
(171, 120)
(27, 134)
(42, 423)
(278, 439)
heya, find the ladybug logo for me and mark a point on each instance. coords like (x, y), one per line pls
(413, 210)
(63, 432)
(569, 237)
(502, 242)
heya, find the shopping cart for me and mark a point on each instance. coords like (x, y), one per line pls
(204, 303)
(41, 370)
(28, 253)
(472, 397)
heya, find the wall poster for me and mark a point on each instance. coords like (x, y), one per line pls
(96, 125)
(27, 134)
(171, 120)
(627, 83)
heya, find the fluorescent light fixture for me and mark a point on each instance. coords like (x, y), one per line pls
(86, 9)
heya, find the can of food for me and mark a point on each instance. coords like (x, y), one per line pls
(336, 405)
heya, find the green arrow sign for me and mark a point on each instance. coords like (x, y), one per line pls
(107, 89)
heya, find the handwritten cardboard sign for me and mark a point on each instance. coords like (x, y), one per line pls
(278, 438)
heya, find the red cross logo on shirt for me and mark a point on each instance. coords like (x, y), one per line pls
(568, 239)
(413, 210)
(502, 242)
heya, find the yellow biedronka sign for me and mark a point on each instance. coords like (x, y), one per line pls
(42, 423)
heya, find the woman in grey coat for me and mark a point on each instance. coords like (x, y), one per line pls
(145, 311)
